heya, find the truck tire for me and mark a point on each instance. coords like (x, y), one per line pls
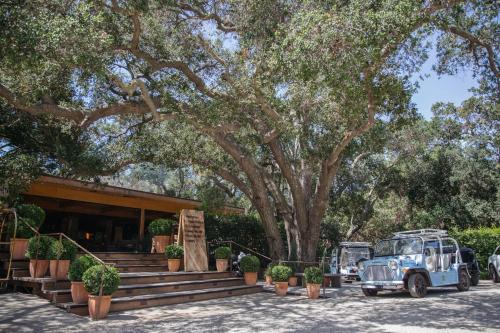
(369, 292)
(463, 280)
(417, 285)
(493, 274)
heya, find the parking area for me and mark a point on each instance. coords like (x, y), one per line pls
(345, 310)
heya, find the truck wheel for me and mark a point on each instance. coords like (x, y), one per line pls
(474, 280)
(417, 285)
(463, 281)
(369, 292)
(493, 274)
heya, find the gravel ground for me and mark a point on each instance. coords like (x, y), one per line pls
(345, 310)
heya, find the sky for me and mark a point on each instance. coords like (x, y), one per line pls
(446, 88)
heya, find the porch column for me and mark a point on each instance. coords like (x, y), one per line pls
(141, 226)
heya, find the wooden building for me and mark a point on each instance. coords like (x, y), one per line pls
(102, 217)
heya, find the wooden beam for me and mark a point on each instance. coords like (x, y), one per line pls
(141, 225)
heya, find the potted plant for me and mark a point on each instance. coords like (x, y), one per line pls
(38, 253)
(27, 216)
(281, 274)
(75, 275)
(314, 278)
(222, 255)
(250, 266)
(95, 277)
(268, 274)
(174, 254)
(326, 277)
(61, 253)
(292, 280)
(161, 230)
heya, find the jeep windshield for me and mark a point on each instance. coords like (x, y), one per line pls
(351, 255)
(397, 247)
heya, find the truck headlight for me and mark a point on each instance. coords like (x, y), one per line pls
(393, 264)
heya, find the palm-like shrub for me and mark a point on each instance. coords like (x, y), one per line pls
(313, 275)
(174, 251)
(250, 264)
(161, 227)
(281, 273)
(63, 250)
(94, 275)
(223, 252)
(79, 266)
(39, 247)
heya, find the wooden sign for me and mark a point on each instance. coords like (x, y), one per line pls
(192, 237)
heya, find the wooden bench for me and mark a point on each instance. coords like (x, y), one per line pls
(336, 281)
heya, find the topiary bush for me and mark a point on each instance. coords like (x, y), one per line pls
(281, 273)
(42, 244)
(250, 264)
(174, 251)
(93, 276)
(31, 211)
(483, 241)
(79, 266)
(269, 269)
(161, 227)
(313, 275)
(23, 227)
(64, 250)
(223, 252)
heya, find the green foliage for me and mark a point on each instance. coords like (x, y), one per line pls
(313, 274)
(79, 266)
(161, 227)
(64, 250)
(174, 251)
(250, 264)
(95, 275)
(483, 241)
(32, 212)
(23, 227)
(270, 268)
(39, 247)
(222, 252)
(281, 273)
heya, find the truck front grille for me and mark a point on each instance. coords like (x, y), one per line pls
(377, 273)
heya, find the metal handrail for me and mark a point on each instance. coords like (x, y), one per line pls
(242, 246)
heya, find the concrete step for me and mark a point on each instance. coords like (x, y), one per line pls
(154, 261)
(156, 277)
(144, 301)
(128, 255)
(20, 272)
(142, 268)
(16, 264)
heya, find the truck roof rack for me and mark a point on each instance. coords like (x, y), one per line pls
(421, 232)
(355, 244)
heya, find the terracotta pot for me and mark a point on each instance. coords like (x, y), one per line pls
(292, 281)
(326, 281)
(38, 268)
(250, 278)
(18, 248)
(313, 290)
(62, 269)
(173, 265)
(269, 280)
(281, 288)
(222, 265)
(78, 293)
(99, 306)
(160, 243)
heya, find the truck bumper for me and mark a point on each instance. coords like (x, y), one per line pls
(383, 285)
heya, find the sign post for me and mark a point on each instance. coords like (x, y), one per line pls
(192, 237)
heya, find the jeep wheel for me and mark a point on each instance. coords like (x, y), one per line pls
(474, 280)
(417, 285)
(463, 280)
(369, 292)
(493, 274)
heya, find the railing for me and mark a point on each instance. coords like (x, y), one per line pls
(6, 212)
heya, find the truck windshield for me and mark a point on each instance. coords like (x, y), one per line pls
(395, 247)
(350, 256)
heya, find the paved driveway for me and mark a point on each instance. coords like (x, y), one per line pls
(346, 310)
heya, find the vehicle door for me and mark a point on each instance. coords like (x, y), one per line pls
(334, 263)
(432, 261)
(450, 259)
(496, 259)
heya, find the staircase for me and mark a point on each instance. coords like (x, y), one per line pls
(144, 282)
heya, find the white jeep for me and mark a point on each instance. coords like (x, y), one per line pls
(494, 265)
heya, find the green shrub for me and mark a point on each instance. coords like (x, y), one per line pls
(93, 276)
(33, 212)
(483, 241)
(281, 273)
(223, 252)
(79, 266)
(250, 264)
(42, 244)
(23, 230)
(313, 275)
(174, 251)
(161, 227)
(64, 250)
(269, 269)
